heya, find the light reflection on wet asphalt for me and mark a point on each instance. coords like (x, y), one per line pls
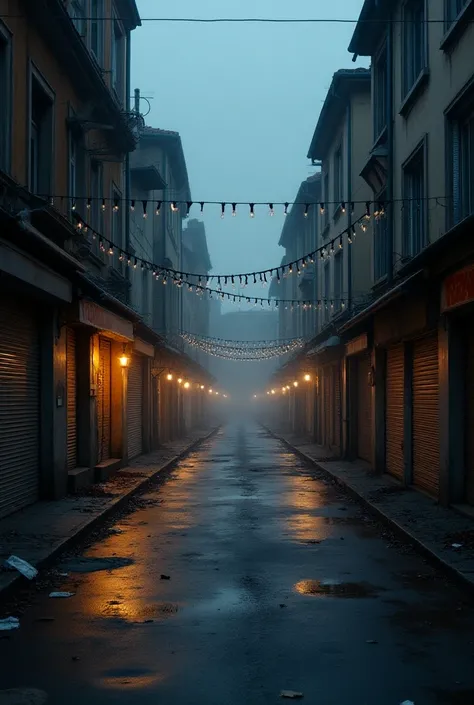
(277, 581)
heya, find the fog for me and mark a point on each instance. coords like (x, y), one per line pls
(245, 99)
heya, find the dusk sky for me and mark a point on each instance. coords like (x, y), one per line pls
(245, 99)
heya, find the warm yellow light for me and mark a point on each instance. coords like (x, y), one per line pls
(186, 385)
(202, 386)
(169, 377)
(217, 394)
(225, 396)
(210, 391)
(307, 378)
(295, 384)
(180, 381)
(283, 389)
(124, 360)
(254, 396)
(273, 391)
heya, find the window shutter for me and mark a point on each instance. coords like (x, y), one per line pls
(456, 171)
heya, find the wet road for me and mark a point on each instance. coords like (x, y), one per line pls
(277, 581)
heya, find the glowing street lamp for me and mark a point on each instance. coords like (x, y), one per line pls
(169, 377)
(307, 378)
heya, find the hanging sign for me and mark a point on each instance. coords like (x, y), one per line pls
(458, 288)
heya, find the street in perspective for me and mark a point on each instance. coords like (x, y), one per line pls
(236, 352)
(244, 573)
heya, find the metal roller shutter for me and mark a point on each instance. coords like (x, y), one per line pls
(394, 412)
(135, 407)
(426, 414)
(364, 409)
(470, 421)
(71, 375)
(19, 407)
(104, 398)
(337, 406)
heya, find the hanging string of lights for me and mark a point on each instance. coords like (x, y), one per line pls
(239, 343)
(242, 350)
(243, 279)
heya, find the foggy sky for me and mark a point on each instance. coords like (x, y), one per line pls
(245, 99)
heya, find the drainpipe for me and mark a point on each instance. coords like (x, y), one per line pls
(390, 141)
(349, 201)
(127, 156)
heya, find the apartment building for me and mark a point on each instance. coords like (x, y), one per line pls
(76, 359)
(416, 327)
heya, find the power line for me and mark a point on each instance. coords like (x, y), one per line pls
(261, 20)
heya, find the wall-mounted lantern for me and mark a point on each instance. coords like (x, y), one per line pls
(124, 359)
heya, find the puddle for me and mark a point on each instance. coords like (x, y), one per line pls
(134, 612)
(93, 565)
(129, 678)
(334, 588)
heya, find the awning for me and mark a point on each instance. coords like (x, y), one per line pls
(91, 314)
(333, 342)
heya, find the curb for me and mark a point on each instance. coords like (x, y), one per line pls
(461, 578)
(7, 591)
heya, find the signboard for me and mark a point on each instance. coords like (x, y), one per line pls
(458, 288)
(143, 347)
(93, 315)
(357, 345)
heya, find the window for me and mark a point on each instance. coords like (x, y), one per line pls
(118, 60)
(77, 11)
(453, 9)
(414, 204)
(380, 231)
(5, 103)
(77, 170)
(338, 177)
(326, 291)
(96, 41)
(380, 92)
(414, 37)
(338, 280)
(327, 199)
(40, 136)
(462, 159)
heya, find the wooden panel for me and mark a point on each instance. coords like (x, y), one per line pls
(364, 409)
(135, 407)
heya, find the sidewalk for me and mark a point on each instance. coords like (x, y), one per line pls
(38, 533)
(433, 529)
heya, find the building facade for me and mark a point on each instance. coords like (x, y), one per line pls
(76, 360)
(414, 330)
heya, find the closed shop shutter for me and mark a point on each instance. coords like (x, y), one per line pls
(426, 414)
(19, 406)
(364, 409)
(71, 395)
(394, 412)
(135, 407)
(337, 406)
(104, 398)
(470, 420)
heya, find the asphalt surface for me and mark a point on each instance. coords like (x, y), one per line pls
(277, 581)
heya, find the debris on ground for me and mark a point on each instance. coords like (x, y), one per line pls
(115, 532)
(292, 694)
(464, 539)
(61, 594)
(407, 702)
(22, 566)
(165, 577)
(456, 545)
(371, 641)
(9, 623)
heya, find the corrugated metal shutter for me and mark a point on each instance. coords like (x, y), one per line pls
(19, 406)
(426, 414)
(364, 409)
(104, 398)
(394, 412)
(337, 405)
(469, 430)
(71, 395)
(135, 407)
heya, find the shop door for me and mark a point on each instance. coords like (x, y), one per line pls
(71, 396)
(104, 398)
(426, 414)
(364, 409)
(469, 430)
(394, 412)
(19, 406)
(135, 407)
